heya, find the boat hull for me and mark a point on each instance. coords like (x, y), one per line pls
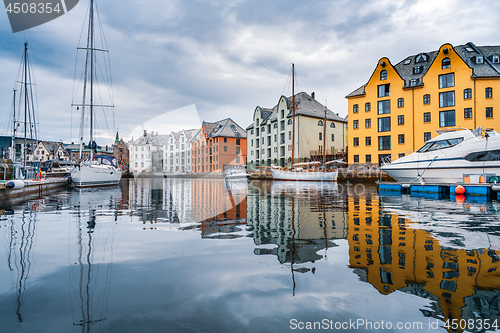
(439, 172)
(95, 175)
(304, 176)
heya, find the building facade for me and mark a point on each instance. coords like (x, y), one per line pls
(177, 150)
(48, 150)
(401, 106)
(270, 135)
(219, 146)
(146, 153)
(121, 152)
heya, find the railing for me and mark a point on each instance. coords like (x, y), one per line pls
(331, 151)
(392, 157)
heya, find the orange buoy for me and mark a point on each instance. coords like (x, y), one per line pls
(459, 198)
(459, 189)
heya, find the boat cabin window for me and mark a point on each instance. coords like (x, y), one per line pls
(490, 155)
(435, 145)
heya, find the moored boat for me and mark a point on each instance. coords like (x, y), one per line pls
(236, 174)
(449, 156)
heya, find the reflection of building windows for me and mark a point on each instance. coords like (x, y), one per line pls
(448, 285)
(385, 277)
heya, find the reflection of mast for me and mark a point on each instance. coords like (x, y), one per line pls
(85, 275)
(294, 232)
(27, 235)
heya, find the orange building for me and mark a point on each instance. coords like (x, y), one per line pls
(219, 146)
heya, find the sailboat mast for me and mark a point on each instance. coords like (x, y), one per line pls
(293, 114)
(13, 140)
(25, 105)
(91, 17)
(324, 140)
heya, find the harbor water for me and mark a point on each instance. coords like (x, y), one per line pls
(205, 255)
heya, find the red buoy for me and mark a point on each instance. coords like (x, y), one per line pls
(459, 189)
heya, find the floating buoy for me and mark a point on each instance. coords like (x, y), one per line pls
(15, 184)
(459, 189)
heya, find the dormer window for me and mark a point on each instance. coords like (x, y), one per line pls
(413, 82)
(421, 58)
(496, 59)
(383, 75)
(408, 61)
(479, 60)
(446, 63)
(417, 69)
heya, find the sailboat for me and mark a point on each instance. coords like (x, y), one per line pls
(97, 170)
(308, 171)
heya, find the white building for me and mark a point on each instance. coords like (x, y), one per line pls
(177, 148)
(47, 150)
(170, 153)
(270, 137)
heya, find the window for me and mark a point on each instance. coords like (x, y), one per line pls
(447, 118)
(383, 75)
(427, 117)
(355, 124)
(427, 99)
(368, 123)
(384, 142)
(384, 107)
(333, 137)
(401, 120)
(320, 136)
(418, 69)
(489, 92)
(289, 135)
(446, 99)
(421, 58)
(427, 136)
(332, 125)
(225, 148)
(468, 113)
(282, 126)
(467, 93)
(368, 106)
(384, 90)
(320, 123)
(401, 102)
(274, 126)
(446, 80)
(489, 112)
(368, 158)
(237, 142)
(368, 141)
(496, 59)
(356, 158)
(238, 150)
(479, 60)
(355, 108)
(384, 124)
(282, 113)
(225, 140)
(413, 82)
(446, 63)
(289, 122)
(355, 142)
(401, 138)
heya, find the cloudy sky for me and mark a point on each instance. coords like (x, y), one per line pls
(227, 57)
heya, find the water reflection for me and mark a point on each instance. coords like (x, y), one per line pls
(436, 249)
(298, 219)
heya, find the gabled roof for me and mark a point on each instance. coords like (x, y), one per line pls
(469, 54)
(225, 128)
(305, 105)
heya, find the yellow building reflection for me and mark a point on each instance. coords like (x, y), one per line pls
(391, 252)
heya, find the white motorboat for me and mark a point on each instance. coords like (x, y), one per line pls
(236, 174)
(448, 157)
(97, 170)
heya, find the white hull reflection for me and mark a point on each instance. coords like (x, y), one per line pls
(304, 175)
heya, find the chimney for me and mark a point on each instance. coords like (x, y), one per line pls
(313, 95)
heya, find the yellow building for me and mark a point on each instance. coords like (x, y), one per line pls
(402, 105)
